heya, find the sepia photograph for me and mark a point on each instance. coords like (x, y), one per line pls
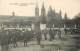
(39, 25)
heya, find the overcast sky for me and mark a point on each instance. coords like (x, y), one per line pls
(71, 7)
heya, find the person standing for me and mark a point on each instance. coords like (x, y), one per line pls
(39, 37)
(4, 41)
(45, 33)
(51, 34)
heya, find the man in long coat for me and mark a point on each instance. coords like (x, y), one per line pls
(4, 41)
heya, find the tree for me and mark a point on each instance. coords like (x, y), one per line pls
(76, 20)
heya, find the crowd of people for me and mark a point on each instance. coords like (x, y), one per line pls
(12, 36)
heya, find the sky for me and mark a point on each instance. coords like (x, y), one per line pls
(71, 7)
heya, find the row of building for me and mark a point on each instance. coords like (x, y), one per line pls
(51, 19)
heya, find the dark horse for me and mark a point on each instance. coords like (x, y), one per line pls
(27, 36)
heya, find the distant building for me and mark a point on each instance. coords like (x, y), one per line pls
(53, 17)
(36, 21)
(50, 18)
(52, 14)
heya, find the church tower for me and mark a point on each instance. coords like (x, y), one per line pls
(43, 14)
(65, 17)
(36, 10)
(36, 21)
(60, 15)
(13, 13)
(43, 11)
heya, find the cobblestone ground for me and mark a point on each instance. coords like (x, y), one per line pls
(55, 45)
(35, 48)
(46, 45)
(32, 46)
